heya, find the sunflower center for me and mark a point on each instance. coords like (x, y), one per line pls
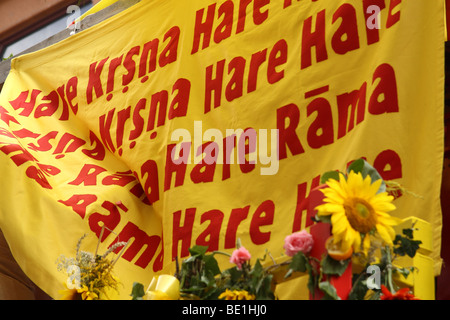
(360, 214)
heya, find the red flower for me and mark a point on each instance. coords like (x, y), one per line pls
(402, 294)
(239, 256)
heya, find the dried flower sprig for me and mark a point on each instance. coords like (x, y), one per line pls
(90, 274)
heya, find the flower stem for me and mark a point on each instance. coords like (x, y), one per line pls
(221, 252)
(390, 283)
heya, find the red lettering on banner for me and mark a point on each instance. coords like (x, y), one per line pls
(149, 172)
(236, 217)
(287, 135)
(393, 18)
(113, 65)
(345, 37)
(236, 69)
(140, 240)
(205, 169)
(88, 175)
(105, 130)
(203, 28)
(314, 39)
(21, 102)
(321, 132)
(109, 221)
(183, 223)
(373, 34)
(150, 57)
(79, 203)
(263, 216)
(43, 144)
(386, 88)
(75, 144)
(119, 179)
(288, 3)
(47, 109)
(71, 93)
(178, 168)
(159, 111)
(389, 165)
(138, 120)
(354, 101)
(98, 152)
(25, 133)
(182, 232)
(62, 98)
(210, 236)
(122, 117)
(95, 82)
(130, 65)
(38, 175)
(6, 117)
(20, 158)
(301, 205)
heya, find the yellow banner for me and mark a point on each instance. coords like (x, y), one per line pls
(177, 123)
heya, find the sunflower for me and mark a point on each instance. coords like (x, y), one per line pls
(357, 210)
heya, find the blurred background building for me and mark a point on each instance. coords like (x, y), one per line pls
(24, 23)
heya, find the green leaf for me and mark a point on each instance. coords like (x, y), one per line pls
(234, 273)
(299, 262)
(408, 232)
(257, 270)
(334, 267)
(137, 292)
(359, 290)
(329, 175)
(405, 246)
(198, 250)
(211, 265)
(404, 271)
(324, 219)
(356, 166)
(363, 167)
(329, 290)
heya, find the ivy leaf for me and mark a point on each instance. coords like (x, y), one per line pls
(299, 263)
(329, 290)
(211, 265)
(234, 273)
(334, 267)
(406, 246)
(408, 232)
(198, 250)
(137, 292)
(329, 175)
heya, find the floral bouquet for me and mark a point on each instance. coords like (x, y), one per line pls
(356, 207)
(353, 230)
(89, 274)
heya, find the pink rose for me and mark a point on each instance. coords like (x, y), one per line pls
(239, 256)
(299, 241)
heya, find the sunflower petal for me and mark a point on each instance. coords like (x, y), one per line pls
(384, 233)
